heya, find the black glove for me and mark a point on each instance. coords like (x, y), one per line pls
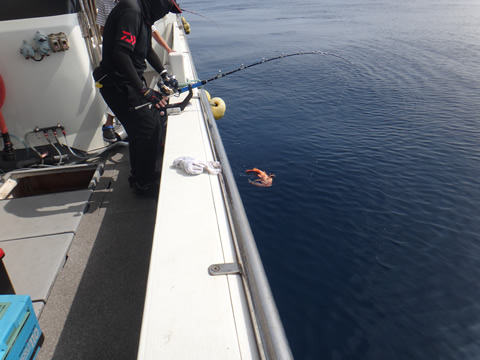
(152, 96)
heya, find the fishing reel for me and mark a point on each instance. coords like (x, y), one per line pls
(167, 85)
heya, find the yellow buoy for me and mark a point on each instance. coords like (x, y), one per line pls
(186, 25)
(218, 108)
(217, 105)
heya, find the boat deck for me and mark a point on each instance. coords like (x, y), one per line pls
(99, 306)
(95, 308)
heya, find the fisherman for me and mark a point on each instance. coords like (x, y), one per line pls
(127, 43)
(104, 9)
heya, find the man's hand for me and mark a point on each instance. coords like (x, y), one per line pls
(156, 98)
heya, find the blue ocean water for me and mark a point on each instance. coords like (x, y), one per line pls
(370, 235)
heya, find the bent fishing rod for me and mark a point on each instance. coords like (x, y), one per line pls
(189, 87)
(263, 61)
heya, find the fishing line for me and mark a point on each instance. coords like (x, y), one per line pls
(198, 14)
(263, 61)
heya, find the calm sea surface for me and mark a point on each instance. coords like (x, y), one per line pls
(370, 235)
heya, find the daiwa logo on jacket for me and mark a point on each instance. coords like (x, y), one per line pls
(129, 38)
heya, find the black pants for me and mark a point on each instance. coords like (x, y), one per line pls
(145, 128)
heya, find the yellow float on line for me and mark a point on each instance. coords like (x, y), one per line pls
(186, 25)
(217, 105)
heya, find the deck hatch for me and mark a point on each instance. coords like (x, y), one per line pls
(40, 182)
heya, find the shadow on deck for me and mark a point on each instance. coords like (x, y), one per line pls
(96, 305)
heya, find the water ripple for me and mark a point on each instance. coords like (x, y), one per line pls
(370, 234)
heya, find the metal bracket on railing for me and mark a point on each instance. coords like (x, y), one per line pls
(224, 269)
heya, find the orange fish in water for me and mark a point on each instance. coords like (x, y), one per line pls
(264, 180)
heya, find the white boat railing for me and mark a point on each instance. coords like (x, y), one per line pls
(271, 339)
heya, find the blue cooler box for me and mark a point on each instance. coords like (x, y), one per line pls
(20, 334)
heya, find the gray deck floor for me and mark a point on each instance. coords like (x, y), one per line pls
(95, 308)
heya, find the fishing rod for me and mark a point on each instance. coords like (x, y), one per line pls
(243, 67)
(172, 91)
